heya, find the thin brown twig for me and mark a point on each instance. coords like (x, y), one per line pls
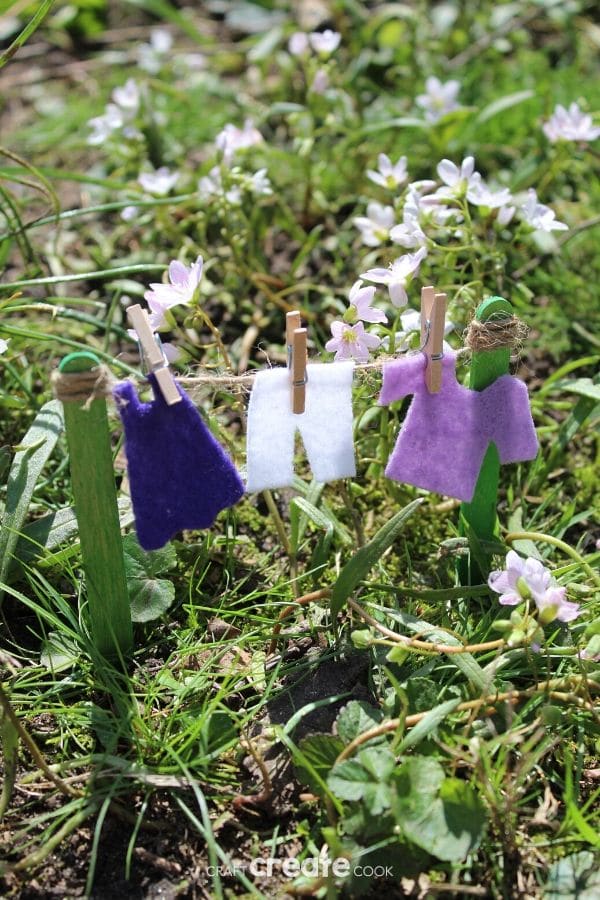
(492, 700)
(425, 646)
(288, 610)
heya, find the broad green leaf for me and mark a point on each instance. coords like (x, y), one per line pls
(316, 758)
(585, 387)
(149, 595)
(366, 779)
(59, 652)
(502, 103)
(423, 693)
(443, 816)
(355, 718)
(30, 459)
(428, 723)
(577, 875)
(365, 558)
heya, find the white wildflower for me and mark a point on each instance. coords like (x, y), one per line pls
(439, 99)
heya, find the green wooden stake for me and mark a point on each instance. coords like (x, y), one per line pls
(480, 515)
(93, 483)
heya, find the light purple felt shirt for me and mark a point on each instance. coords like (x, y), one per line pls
(444, 437)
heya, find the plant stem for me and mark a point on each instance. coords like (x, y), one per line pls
(490, 699)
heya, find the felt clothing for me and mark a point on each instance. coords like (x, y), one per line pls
(179, 475)
(444, 438)
(325, 426)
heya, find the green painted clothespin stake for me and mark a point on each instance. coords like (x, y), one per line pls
(93, 483)
(480, 515)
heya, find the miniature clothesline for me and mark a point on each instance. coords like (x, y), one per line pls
(86, 386)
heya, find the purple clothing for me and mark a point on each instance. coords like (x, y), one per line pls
(444, 438)
(179, 475)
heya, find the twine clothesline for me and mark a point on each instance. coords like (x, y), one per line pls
(98, 382)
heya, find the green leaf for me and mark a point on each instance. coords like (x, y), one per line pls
(585, 387)
(315, 759)
(58, 652)
(423, 693)
(428, 723)
(365, 558)
(22, 37)
(577, 875)
(502, 103)
(355, 718)
(365, 778)
(443, 816)
(149, 595)
(30, 459)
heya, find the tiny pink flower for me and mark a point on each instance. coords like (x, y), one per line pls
(298, 43)
(361, 298)
(351, 341)
(398, 275)
(570, 125)
(528, 579)
(181, 289)
(320, 82)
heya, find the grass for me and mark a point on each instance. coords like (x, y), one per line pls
(251, 723)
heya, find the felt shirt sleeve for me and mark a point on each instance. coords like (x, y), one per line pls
(514, 431)
(402, 377)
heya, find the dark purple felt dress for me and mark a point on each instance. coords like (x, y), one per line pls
(179, 475)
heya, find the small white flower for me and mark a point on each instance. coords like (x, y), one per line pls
(439, 99)
(3, 345)
(540, 217)
(160, 182)
(324, 42)
(410, 323)
(389, 175)
(128, 213)
(398, 276)
(298, 43)
(375, 226)
(570, 125)
(320, 82)
(231, 139)
(479, 194)
(211, 186)
(458, 181)
(409, 233)
(259, 184)
(103, 126)
(127, 97)
(150, 56)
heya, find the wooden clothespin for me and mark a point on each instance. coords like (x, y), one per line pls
(433, 316)
(153, 355)
(295, 338)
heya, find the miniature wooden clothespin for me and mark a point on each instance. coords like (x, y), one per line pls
(153, 355)
(433, 315)
(295, 338)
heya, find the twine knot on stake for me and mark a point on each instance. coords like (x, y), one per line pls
(83, 387)
(496, 333)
